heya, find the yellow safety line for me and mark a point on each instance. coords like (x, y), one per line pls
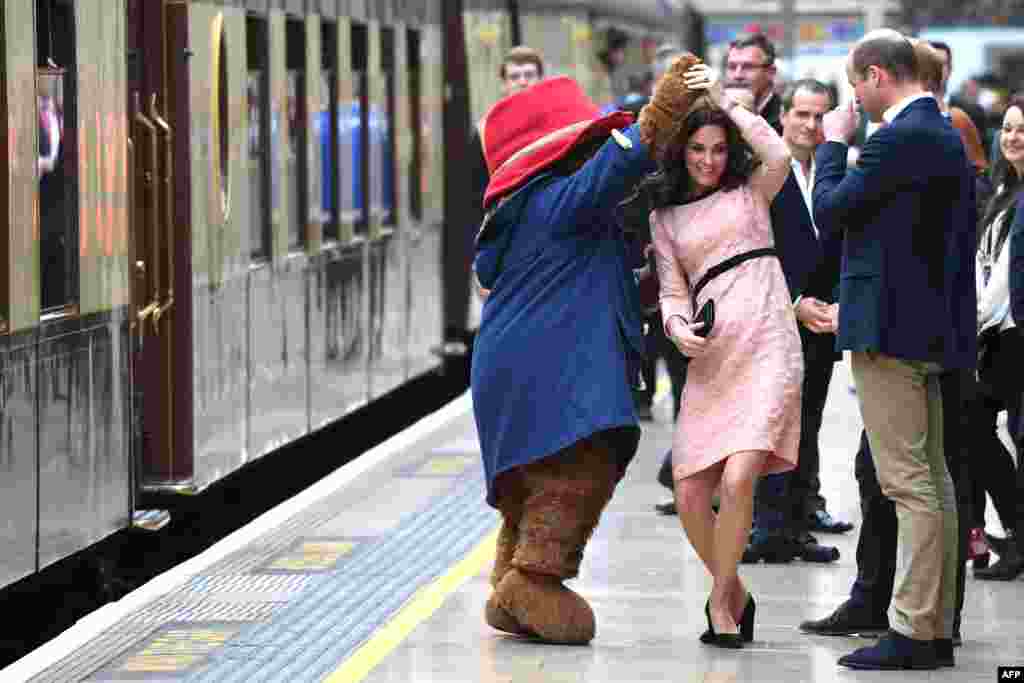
(424, 603)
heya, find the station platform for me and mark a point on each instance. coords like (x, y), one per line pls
(379, 573)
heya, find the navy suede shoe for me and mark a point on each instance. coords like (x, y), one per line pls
(893, 652)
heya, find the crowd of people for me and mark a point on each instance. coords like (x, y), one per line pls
(734, 223)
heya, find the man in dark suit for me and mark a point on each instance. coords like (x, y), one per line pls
(785, 503)
(906, 314)
(871, 592)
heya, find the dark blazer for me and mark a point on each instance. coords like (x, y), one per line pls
(809, 262)
(908, 219)
(772, 112)
(1017, 264)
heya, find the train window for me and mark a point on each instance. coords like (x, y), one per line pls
(327, 129)
(258, 166)
(357, 135)
(384, 147)
(416, 178)
(295, 153)
(58, 161)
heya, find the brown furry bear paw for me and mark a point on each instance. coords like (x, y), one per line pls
(498, 618)
(544, 606)
(662, 118)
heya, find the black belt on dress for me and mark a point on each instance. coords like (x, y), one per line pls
(731, 262)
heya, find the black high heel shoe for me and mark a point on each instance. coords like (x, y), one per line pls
(747, 620)
(731, 641)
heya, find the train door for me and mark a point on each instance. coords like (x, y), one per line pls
(156, 42)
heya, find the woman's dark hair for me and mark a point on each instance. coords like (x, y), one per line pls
(670, 185)
(1007, 182)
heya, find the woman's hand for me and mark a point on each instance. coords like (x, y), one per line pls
(701, 77)
(681, 334)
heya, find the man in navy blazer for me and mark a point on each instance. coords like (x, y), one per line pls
(787, 504)
(906, 314)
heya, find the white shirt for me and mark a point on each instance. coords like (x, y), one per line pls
(895, 110)
(806, 188)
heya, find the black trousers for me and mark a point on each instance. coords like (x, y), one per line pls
(993, 467)
(788, 499)
(876, 545)
(659, 346)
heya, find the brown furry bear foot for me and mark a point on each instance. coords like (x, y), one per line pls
(498, 618)
(544, 606)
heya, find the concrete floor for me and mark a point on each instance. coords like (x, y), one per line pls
(648, 587)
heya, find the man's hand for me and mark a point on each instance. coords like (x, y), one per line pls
(841, 123)
(817, 316)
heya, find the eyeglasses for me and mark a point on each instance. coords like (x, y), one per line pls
(526, 75)
(744, 66)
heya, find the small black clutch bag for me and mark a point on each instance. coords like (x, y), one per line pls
(705, 315)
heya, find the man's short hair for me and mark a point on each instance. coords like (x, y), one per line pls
(929, 65)
(755, 40)
(944, 46)
(811, 85)
(886, 49)
(519, 55)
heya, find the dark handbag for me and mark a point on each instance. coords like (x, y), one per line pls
(706, 315)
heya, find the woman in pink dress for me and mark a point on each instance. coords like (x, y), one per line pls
(740, 416)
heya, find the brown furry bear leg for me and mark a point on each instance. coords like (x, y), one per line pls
(564, 497)
(510, 503)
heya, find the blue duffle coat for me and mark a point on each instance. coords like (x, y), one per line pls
(560, 338)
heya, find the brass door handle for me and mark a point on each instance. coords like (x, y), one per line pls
(149, 176)
(166, 180)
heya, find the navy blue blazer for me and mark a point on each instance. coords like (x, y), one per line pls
(1017, 264)
(908, 219)
(810, 262)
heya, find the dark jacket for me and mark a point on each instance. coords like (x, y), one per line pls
(1017, 265)
(908, 219)
(809, 262)
(560, 337)
(772, 112)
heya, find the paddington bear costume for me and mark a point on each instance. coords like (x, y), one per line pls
(560, 337)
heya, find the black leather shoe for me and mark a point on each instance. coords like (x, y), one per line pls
(807, 548)
(668, 508)
(944, 652)
(845, 621)
(823, 521)
(997, 543)
(893, 652)
(1007, 568)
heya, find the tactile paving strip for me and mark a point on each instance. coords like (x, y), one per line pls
(292, 627)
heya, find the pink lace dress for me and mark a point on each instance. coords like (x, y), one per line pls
(743, 394)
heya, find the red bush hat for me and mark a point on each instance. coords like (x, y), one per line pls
(528, 131)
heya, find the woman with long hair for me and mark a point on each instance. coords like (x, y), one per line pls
(1001, 352)
(740, 414)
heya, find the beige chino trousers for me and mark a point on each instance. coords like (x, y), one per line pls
(901, 403)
